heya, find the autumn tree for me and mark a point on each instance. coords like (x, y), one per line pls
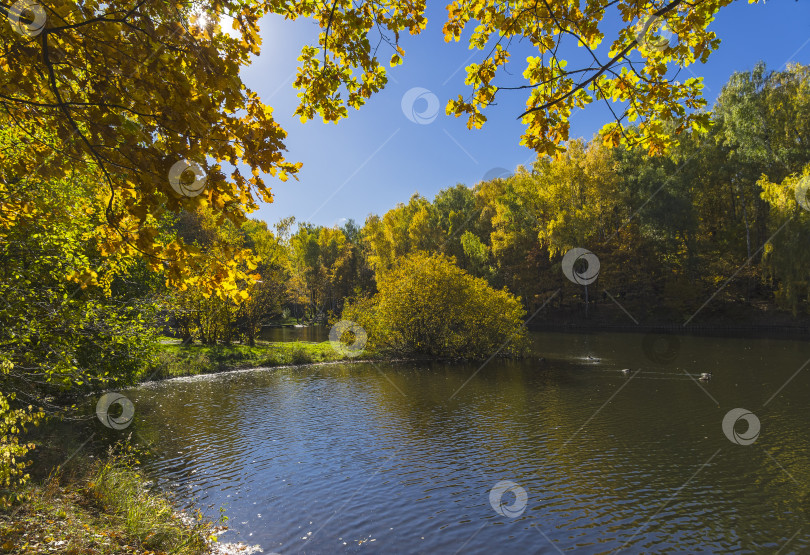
(147, 96)
(265, 296)
(637, 73)
(144, 96)
(428, 306)
(786, 257)
(240, 310)
(404, 229)
(319, 265)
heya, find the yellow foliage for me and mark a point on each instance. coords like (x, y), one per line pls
(12, 423)
(428, 306)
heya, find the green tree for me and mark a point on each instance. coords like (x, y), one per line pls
(71, 319)
(320, 265)
(265, 295)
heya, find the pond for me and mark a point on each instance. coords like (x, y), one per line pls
(565, 454)
(292, 333)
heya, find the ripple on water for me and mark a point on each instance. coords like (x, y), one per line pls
(336, 454)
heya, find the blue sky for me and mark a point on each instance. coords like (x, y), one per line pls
(378, 157)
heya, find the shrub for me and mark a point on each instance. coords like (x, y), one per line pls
(12, 453)
(428, 306)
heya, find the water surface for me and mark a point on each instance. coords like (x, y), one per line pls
(290, 333)
(403, 457)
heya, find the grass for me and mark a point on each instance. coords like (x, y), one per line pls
(104, 509)
(176, 359)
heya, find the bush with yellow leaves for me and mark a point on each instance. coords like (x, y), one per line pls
(427, 306)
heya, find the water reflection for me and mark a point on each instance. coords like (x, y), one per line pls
(289, 333)
(344, 458)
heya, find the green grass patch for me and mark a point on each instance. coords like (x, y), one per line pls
(175, 359)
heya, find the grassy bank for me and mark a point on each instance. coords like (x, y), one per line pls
(175, 359)
(100, 506)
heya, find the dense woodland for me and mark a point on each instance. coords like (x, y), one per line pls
(669, 231)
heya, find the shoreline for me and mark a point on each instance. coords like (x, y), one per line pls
(742, 331)
(243, 358)
(222, 365)
(105, 504)
(241, 369)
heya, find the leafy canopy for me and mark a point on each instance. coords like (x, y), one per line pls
(126, 90)
(653, 39)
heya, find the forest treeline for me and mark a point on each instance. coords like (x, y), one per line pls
(719, 217)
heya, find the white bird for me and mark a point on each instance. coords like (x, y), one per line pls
(626, 371)
(705, 376)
